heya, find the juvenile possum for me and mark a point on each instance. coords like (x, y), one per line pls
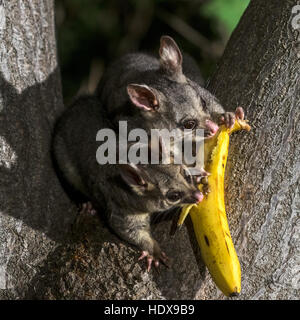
(162, 93)
(130, 192)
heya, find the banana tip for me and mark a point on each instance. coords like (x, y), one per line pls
(234, 294)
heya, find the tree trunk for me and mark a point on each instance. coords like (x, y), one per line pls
(43, 254)
(46, 253)
(34, 212)
(260, 71)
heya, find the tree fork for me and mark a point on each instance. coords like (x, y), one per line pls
(48, 253)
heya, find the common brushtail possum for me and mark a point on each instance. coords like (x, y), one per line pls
(130, 193)
(160, 93)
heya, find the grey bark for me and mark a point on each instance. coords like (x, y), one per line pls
(34, 212)
(260, 70)
(47, 251)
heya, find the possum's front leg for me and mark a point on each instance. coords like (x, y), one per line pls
(135, 229)
(220, 116)
(228, 118)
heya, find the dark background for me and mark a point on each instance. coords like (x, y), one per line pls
(91, 33)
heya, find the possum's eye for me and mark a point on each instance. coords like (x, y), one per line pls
(204, 104)
(174, 196)
(190, 124)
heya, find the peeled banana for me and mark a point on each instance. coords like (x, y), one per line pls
(209, 216)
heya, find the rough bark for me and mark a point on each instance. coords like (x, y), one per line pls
(44, 255)
(260, 70)
(34, 212)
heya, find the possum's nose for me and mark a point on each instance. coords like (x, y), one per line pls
(197, 196)
(211, 127)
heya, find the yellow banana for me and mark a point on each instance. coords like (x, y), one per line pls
(209, 217)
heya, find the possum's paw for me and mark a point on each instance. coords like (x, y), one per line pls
(202, 176)
(205, 185)
(155, 258)
(239, 113)
(87, 208)
(228, 118)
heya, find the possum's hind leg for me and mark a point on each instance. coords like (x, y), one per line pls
(150, 259)
(136, 230)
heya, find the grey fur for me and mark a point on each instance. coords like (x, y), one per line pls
(128, 206)
(179, 95)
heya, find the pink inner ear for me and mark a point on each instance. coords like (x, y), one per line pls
(141, 102)
(142, 97)
(132, 177)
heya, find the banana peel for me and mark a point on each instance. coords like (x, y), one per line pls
(209, 216)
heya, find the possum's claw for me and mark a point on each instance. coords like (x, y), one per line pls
(228, 118)
(149, 263)
(145, 254)
(165, 259)
(88, 208)
(150, 259)
(205, 184)
(239, 113)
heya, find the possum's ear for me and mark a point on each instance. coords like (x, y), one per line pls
(170, 56)
(143, 97)
(133, 176)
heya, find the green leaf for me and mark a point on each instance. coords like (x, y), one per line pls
(228, 12)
